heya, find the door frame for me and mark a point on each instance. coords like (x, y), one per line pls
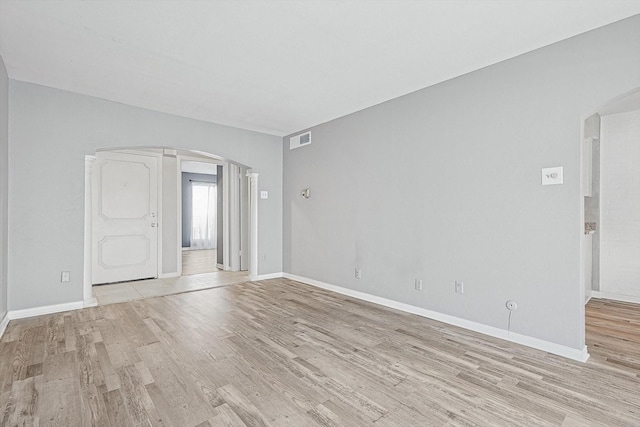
(225, 222)
(88, 297)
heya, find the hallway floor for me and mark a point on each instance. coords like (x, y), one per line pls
(197, 261)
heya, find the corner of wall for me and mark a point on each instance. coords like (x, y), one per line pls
(4, 187)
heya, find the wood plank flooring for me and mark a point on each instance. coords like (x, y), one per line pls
(613, 334)
(280, 353)
(199, 261)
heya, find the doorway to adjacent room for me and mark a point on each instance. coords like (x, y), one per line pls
(202, 235)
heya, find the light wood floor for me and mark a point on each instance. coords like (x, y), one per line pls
(280, 353)
(199, 261)
(613, 334)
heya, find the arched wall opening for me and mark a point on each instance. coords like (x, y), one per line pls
(608, 182)
(239, 233)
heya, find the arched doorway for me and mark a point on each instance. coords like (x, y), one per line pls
(162, 222)
(609, 250)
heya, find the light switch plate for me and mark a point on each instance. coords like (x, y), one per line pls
(264, 194)
(552, 176)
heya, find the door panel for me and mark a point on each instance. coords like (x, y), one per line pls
(124, 217)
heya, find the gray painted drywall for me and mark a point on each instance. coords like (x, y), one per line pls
(592, 204)
(170, 242)
(50, 132)
(186, 203)
(4, 187)
(462, 199)
(219, 236)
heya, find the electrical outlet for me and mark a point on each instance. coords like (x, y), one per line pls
(264, 257)
(418, 285)
(459, 287)
(358, 273)
(65, 276)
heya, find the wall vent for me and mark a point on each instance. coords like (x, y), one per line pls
(300, 140)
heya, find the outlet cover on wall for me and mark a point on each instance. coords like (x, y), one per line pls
(418, 285)
(459, 287)
(358, 273)
(65, 276)
(552, 176)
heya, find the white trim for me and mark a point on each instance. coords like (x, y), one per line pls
(46, 309)
(168, 275)
(266, 276)
(4, 324)
(213, 160)
(253, 225)
(179, 215)
(225, 217)
(160, 217)
(218, 161)
(579, 228)
(233, 208)
(615, 297)
(88, 230)
(91, 302)
(549, 347)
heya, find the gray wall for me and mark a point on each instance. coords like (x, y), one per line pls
(186, 203)
(462, 198)
(50, 132)
(170, 242)
(4, 187)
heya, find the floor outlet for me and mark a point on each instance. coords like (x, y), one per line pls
(418, 285)
(459, 287)
(358, 273)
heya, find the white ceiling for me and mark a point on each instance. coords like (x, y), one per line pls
(276, 66)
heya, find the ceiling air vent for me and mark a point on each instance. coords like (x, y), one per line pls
(300, 140)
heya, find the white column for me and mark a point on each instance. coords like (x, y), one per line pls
(89, 299)
(253, 225)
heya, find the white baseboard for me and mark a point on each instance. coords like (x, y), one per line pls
(266, 276)
(615, 297)
(167, 275)
(47, 309)
(549, 347)
(91, 302)
(4, 323)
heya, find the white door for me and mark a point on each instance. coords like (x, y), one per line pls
(124, 197)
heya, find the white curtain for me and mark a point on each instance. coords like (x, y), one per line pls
(203, 215)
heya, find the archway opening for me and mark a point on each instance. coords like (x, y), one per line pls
(142, 186)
